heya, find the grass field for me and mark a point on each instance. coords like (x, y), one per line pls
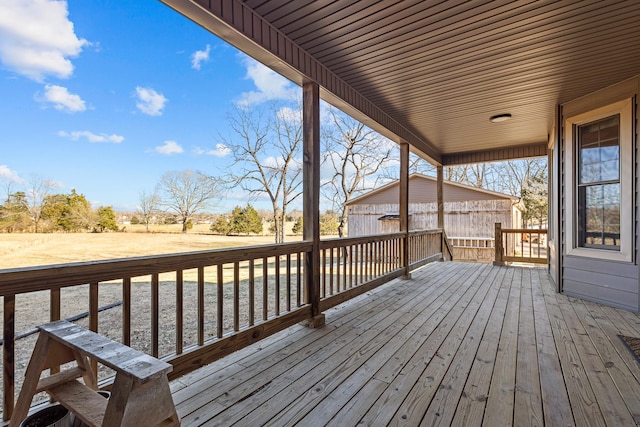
(30, 249)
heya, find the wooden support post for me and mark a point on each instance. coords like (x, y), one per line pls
(311, 197)
(404, 207)
(440, 206)
(440, 197)
(498, 244)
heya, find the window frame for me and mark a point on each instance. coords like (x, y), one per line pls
(624, 109)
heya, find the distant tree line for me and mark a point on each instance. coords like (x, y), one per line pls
(57, 212)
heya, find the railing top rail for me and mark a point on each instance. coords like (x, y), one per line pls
(19, 280)
(470, 238)
(348, 241)
(524, 230)
(426, 231)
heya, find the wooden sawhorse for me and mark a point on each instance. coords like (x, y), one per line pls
(140, 395)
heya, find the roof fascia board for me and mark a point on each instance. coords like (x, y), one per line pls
(507, 153)
(239, 25)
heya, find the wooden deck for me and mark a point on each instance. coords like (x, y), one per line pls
(459, 344)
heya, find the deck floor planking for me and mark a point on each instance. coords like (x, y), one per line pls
(458, 344)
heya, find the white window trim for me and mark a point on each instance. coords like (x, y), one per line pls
(625, 110)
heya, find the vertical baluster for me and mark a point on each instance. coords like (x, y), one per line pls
(288, 282)
(358, 265)
(252, 293)
(179, 311)
(265, 288)
(383, 257)
(8, 355)
(155, 314)
(54, 304)
(367, 262)
(331, 250)
(93, 317)
(236, 296)
(379, 258)
(387, 256)
(299, 278)
(397, 256)
(338, 261)
(372, 258)
(220, 301)
(323, 273)
(200, 303)
(350, 266)
(277, 299)
(54, 314)
(126, 311)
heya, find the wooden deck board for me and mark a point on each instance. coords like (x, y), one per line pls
(501, 399)
(458, 344)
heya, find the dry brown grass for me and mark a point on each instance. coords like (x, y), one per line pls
(27, 249)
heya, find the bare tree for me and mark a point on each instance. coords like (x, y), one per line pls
(419, 165)
(356, 156)
(38, 190)
(266, 154)
(516, 173)
(186, 193)
(148, 207)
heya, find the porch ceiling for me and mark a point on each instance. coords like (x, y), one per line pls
(440, 69)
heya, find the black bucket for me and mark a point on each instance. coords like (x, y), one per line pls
(51, 416)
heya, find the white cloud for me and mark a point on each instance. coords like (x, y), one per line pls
(200, 56)
(62, 99)
(10, 175)
(220, 151)
(150, 102)
(169, 148)
(290, 115)
(37, 38)
(92, 137)
(269, 84)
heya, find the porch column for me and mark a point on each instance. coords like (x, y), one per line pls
(404, 206)
(440, 203)
(311, 197)
(439, 196)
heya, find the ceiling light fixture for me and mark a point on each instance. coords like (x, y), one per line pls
(500, 118)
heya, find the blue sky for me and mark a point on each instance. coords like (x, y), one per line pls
(106, 96)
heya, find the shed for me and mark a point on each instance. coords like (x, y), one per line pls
(470, 214)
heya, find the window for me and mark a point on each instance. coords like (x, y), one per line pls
(599, 202)
(599, 184)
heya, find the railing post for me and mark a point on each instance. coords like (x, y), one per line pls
(311, 197)
(498, 244)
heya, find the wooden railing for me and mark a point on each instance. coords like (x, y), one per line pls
(193, 308)
(427, 246)
(520, 245)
